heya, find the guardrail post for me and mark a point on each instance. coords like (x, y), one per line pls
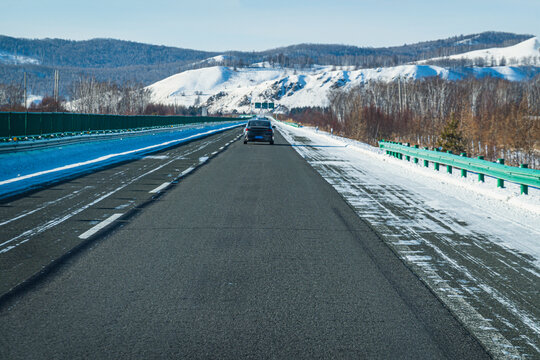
(449, 167)
(524, 188)
(426, 163)
(436, 164)
(407, 156)
(500, 182)
(481, 176)
(387, 152)
(416, 159)
(463, 171)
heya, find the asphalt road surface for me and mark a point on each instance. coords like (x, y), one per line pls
(253, 255)
(37, 229)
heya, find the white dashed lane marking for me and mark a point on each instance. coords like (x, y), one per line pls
(100, 226)
(159, 188)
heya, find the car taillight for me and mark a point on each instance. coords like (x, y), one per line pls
(269, 130)
(247, 129)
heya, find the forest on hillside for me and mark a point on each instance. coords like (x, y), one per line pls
(117, 61)
(495, 118)
(94, 97)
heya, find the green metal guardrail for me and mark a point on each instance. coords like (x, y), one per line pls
(17, 124)
(522, 175)
(290, 123)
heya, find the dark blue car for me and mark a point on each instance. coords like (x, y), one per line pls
(259, 130)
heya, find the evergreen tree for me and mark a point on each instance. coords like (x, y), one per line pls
(452, 137)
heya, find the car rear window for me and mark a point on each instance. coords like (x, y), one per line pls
(259, 123)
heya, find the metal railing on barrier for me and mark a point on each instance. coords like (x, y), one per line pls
(523, 176)
(19, 124)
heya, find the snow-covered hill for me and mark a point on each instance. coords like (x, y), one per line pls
(223, 89)
(524, 53)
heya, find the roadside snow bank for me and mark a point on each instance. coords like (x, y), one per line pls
(508, 216)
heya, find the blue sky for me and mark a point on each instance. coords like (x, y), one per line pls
(221, 25)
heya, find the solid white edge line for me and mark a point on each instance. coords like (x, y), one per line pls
(159, 188)
(101, 225)
(110, 156)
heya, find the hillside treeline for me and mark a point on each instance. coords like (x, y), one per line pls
(496, 118)
(111, 53)
(94, 97)
(98, 53)
(124, 61)
(303, 55)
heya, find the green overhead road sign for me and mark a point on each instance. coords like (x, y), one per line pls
(264, 105)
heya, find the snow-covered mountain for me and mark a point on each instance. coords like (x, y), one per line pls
(524, 53)
(224, 89)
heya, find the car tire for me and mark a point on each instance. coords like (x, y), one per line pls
(272, 142)
(245, 141)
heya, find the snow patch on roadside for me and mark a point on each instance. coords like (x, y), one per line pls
(476, 246)
(512, 217)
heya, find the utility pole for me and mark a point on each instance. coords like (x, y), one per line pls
(25, 91)
(56, 82)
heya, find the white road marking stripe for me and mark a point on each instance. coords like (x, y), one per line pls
(159, 188)
(44, 206)
(214, 153)
(187, 171)
(99, 226)
(52, 223)
(156, 157)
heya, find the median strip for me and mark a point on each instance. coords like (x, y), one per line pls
(100, 226)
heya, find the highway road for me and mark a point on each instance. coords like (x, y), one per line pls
(250, 255)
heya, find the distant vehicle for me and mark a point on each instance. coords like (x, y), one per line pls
(259, 129)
